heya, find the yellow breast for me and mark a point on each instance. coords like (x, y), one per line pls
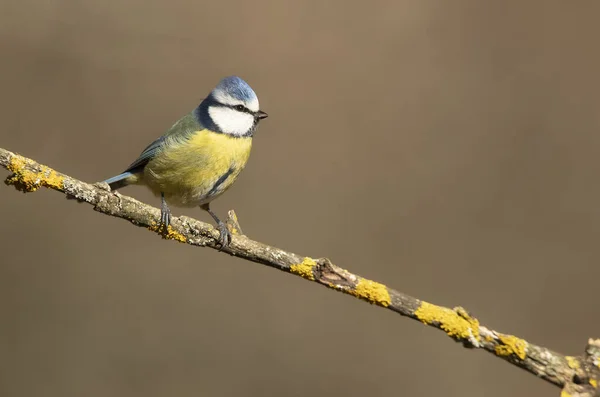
(196, 170)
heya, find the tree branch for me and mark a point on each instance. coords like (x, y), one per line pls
(577, 376)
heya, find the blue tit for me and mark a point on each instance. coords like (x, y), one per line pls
(202, 154)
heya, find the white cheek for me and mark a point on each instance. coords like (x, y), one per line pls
(231, 121)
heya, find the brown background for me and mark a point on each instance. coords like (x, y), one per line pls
(446, 148)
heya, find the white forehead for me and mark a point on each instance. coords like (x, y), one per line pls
(226, 99)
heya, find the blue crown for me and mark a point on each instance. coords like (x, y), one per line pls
(236, 88)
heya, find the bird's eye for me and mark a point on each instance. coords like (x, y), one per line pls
(240, 108)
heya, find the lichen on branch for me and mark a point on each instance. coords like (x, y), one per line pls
(577, 376)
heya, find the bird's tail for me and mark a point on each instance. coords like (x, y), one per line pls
(121, 180)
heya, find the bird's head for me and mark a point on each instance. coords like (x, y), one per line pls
(231, 108)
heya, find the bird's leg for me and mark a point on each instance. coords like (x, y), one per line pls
(165, 212)
(225, 235)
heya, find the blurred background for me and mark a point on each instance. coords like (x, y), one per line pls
(447, 149)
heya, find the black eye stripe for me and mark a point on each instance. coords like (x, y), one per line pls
(241, 108)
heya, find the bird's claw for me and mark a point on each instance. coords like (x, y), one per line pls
(224, 235)
(165, 218)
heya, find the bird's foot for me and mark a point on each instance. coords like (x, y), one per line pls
(165, 218)
(224, 235)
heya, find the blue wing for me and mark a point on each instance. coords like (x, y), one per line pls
(125, 178)
(146, 156)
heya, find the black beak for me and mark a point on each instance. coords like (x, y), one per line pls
(261, 115)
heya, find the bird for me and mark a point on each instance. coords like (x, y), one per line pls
(201, 155)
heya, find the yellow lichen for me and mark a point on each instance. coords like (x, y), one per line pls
(564, 393)
(304, 269)
(233, 224)
(372, 292)
(594, 383)
(572, 362)
(511, 345)
(17, 163)
(29, 181)
(456, 323)
(170, 234)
